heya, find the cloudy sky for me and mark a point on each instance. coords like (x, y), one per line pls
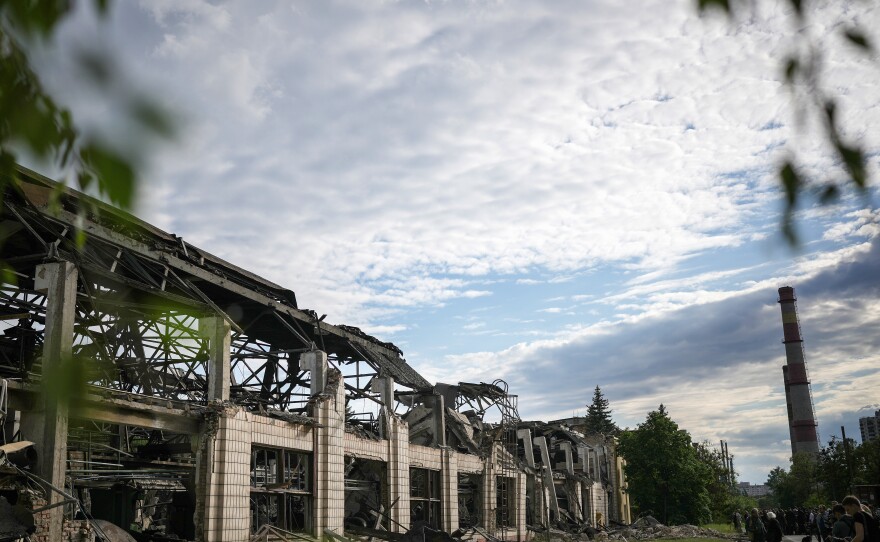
(562, 194)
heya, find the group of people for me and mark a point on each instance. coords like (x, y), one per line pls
(847, 521)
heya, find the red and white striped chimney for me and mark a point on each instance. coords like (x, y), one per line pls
(798, 395)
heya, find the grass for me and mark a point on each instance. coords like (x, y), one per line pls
(695, 540)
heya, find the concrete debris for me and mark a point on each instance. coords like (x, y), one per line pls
(15, 521)
(420, 532)
(112, 532)
(645, 528)
(648, 528)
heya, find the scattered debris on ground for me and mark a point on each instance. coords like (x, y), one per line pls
(645, 528)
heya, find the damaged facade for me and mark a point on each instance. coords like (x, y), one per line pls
(150, 386)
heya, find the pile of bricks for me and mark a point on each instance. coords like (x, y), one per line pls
(32, 501)
(78, 530)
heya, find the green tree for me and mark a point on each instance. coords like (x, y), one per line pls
(866, 461)
(780, 484)
(799, 485)
(804, 479)
(722, 499)
(598, 418)
(665, 476)
(833, 470)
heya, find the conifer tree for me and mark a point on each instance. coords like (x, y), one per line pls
(599, 415)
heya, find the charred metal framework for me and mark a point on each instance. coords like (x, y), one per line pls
(200, 402)
(141, 294)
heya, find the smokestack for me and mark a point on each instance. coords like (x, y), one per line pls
(798, 396)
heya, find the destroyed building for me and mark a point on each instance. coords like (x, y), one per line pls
(152, 388)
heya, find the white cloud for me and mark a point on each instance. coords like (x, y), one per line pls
(385, 158)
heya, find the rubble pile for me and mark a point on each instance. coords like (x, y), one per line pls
(648, 528)
(660, 531)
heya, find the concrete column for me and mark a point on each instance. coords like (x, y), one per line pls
(449, 493)
(384, 386)
(521, 491)
(329, 412)
(438, 411)
(583, 453)
(49, 427)
(315, 362)
(398, 473)
(216, 330)
(489, 491)
(547, 469)
(569, 461)
(577, 507)
(526, 436)
(587, 504)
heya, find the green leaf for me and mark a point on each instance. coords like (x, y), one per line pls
(854, 159)
(80, 239)
(723, 5)
(55, 196)
(36, 16)
(7, 166)
(152, 117)
(792, 67)
(96, 66)
(857, 38)
(788, 230)
(7, 274)
(791, 183)
(115, 174)
(84, 179)
(102, 7)
(829, 194)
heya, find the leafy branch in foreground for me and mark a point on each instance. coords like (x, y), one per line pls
(802, 72)
(34, 124)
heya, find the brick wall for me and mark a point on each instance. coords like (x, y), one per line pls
(227, 511)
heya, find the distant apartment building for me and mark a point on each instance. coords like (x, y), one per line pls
(870, 426)
(750, 490)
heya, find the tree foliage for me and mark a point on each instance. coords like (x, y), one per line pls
(813, 97)
(723, 500)
(598, 419)
(833, 469)
(797, 486)
(665, 476)
(32, 123)
(842, 465)
(827, 477)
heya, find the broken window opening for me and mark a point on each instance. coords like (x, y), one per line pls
(562, 499)
(136, 478)
(366, 494)
(469, 500)
(362, 416)
(280, 489)
(505, 501)
(424, 497)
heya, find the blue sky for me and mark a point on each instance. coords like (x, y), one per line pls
(562, 194)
